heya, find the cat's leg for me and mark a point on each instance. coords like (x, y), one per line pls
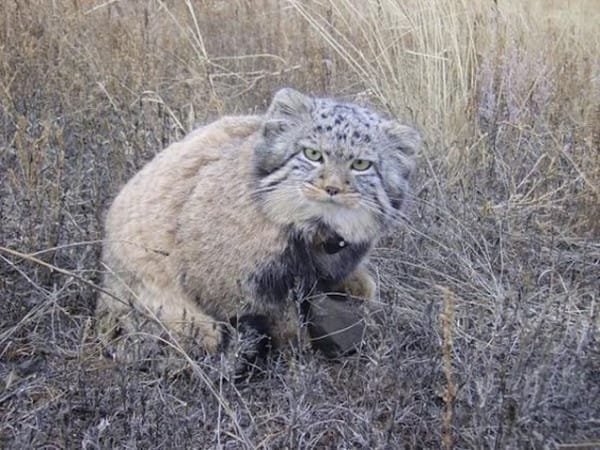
(288, 325)
(146, 310)
(178, 313)
(247, 343)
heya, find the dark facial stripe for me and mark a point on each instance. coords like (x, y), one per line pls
(261, 172)
(397, 201)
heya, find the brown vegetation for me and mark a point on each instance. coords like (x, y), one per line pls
(490, 337)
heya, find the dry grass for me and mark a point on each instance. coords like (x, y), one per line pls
(502, 241)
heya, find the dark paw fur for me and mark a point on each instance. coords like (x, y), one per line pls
(247, 342)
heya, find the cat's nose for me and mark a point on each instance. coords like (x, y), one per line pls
(332, 190)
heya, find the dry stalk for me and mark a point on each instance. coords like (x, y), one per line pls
(447, 324)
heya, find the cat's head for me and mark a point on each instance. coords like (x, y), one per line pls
(339, 164)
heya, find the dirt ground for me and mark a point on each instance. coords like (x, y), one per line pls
(490, 289)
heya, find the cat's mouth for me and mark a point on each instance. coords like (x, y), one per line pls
(330, 196)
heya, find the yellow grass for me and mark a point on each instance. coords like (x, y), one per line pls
(505, 216)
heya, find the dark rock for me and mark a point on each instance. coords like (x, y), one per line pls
(337, 323)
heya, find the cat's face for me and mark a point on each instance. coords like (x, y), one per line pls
(339, 164)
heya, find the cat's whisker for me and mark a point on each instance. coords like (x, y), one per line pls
(373, 205)
(297, 184)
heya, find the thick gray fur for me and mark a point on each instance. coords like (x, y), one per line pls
(235, 219)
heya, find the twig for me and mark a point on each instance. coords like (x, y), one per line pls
(54, 268)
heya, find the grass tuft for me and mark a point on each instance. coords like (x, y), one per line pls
(505, 216)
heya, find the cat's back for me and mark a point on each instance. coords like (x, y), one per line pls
(176, 168)
(146, 209)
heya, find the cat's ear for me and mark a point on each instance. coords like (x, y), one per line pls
(403, 142)
(287, 108)
(403, 138)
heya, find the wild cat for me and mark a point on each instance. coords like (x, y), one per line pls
(248, 215)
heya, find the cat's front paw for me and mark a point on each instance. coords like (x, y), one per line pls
(246, 344)
(359, 284)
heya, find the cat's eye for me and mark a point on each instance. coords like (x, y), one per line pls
(312, 154)
(361, 164)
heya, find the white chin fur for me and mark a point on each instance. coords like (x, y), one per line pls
(354, 225)
(290, 206)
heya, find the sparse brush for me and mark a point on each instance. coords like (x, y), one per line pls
(505, 215)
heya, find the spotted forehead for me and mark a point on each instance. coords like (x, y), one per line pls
(346, 123)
